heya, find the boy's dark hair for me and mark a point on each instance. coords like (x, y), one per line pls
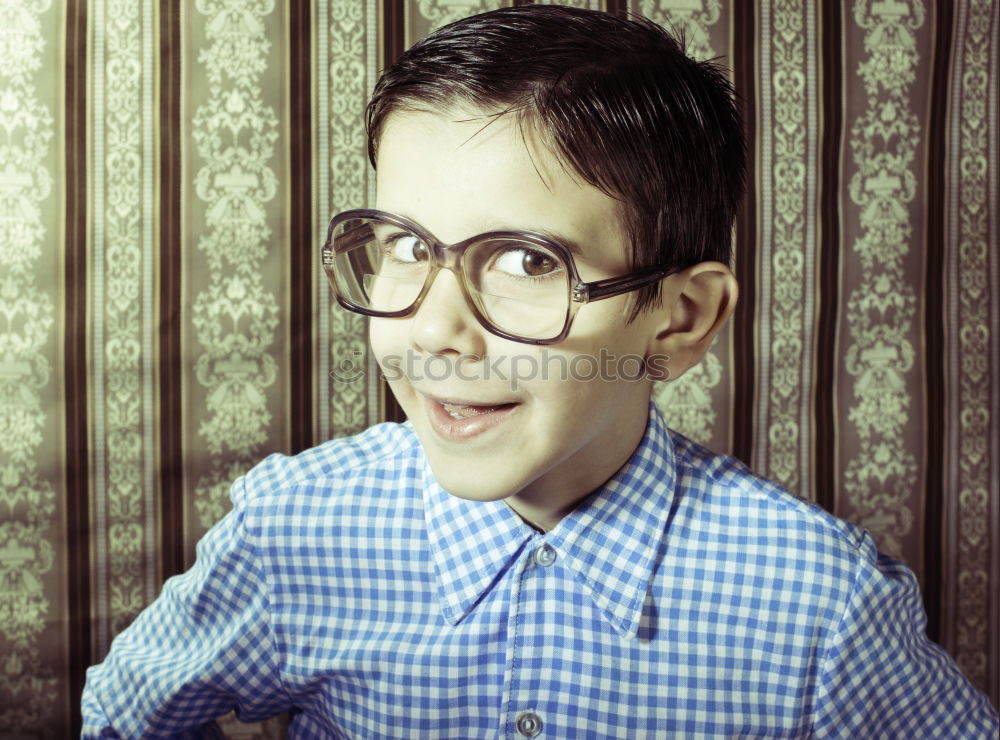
(620, 102)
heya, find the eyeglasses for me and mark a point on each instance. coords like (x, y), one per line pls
(519, 285)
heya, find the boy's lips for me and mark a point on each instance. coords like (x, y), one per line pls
(456, 420)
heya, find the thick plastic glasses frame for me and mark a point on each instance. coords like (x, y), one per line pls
(449, 257)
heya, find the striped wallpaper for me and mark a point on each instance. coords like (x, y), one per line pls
(167, 169)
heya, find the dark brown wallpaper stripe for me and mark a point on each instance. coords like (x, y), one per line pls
(300, 216)
(616, 7)
(170, 419)
(744, 61)
(77, 468)
(393, 29)
(830, 147)
(935, 351)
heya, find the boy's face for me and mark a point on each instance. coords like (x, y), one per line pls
(554, 436)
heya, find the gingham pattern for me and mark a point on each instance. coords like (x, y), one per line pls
(687, 598)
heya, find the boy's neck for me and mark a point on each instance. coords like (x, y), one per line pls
(534, 525)
(543, 511)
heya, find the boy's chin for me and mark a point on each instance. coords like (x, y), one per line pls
(476, 491)
(476, 487)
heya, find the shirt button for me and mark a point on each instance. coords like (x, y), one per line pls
(545, 555)
(528, 724)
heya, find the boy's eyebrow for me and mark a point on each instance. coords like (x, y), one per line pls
(573, 246)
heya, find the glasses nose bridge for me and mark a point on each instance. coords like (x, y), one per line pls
(449, 257)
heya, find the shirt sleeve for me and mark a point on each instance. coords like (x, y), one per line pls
(882, 677)
(202, 649)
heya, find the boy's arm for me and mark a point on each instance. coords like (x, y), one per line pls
(883, 677)
(202, 649)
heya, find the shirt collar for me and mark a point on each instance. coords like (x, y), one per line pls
(609, 541)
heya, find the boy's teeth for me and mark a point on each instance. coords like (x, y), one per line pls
(461, 411)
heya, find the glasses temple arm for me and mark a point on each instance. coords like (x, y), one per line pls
(599, 289)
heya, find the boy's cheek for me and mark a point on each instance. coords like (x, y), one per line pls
(385, 347)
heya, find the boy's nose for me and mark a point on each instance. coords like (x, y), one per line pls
(444, 324)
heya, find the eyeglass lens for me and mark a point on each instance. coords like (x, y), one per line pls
(520, 287)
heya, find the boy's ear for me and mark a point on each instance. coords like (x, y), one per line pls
(696, 303)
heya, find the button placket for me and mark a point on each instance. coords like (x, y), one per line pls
(528, 637)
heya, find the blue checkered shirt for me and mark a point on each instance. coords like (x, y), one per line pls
(687, 597)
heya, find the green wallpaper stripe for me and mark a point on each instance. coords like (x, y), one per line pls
(787, 295)
(762, 279)
(150, 196)
(321, 181)
(236, 241)
(352, 66)
(969, 319)
(809, 244)
(34, 408)
(99, 489)
(993, 200)
(881, 465)
(951, 617)
(123, 535)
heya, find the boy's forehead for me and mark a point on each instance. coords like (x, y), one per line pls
(460, 172)
(468, 130)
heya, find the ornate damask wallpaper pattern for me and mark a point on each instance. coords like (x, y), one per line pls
(168, 168)
(29, 405)
(973, 357)
(880, 470)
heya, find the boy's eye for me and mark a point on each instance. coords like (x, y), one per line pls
(525, 262)
(406, 248)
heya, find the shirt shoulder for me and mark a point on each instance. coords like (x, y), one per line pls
(823, 600)
(375, 461)
(792, 546)
(718, 480)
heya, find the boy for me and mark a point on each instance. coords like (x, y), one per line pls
(534, 553)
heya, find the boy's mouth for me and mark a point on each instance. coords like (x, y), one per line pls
(456, 421)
